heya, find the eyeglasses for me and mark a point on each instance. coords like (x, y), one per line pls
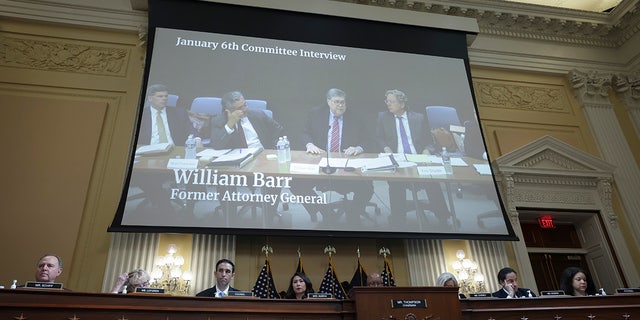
(338, 102)
(390, 101)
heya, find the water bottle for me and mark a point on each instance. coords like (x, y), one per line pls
(124, 290)
(14, 284)
(282, 153)
(287, 149)
(446, 161)
(190, 148)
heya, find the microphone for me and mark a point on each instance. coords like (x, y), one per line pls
(328, 169)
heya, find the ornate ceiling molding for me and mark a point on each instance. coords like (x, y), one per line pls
(524, 21)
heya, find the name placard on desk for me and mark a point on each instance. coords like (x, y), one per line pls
(43, 285)
(480, 295)
(628, 290)
(402, 303)
(240, 294)
(552, 293)
(149, 290)
(319, 295)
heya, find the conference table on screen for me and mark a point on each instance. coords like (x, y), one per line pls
(266, 162)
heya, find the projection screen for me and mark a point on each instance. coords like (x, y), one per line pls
(213, 68)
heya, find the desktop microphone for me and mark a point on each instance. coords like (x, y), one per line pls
(328, 169)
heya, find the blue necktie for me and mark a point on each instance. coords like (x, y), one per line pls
(403, 137)
(221, 294)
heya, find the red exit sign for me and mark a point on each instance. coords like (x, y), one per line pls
(546, 222)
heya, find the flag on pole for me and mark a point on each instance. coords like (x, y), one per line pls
(264, 287)
(387, 274)
(359, 278)
(331, 284)
(300, 267)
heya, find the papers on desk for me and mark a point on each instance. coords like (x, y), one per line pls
(334, 162)
(210, 154)
(399, 157)
(424, 158)
(483, 168)
(365, 164)
(232, 159)
(154, 149)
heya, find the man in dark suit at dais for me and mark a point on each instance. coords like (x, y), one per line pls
(334, 127)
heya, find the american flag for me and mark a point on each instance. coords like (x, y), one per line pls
(300, 267)
(331, 284)
(387, 275)
(359, 278)
(264, 287)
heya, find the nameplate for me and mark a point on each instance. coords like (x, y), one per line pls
(431, 171)
(319, 295)
(240, 294)
(149, 290)
(303, 168)
(182, 164)
(552, 293)
(480, 295)
(401, 303)
(458, 129)
(627, 290)
(43, 285)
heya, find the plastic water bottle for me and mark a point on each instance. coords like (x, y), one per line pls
(124, 290)
(602, 292)
(282, 153)
(14, 284)
(446, 161)
(287, 148)
(190, 148)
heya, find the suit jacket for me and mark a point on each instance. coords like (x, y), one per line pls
(386, 134)
(317, 129)
(211, 292)
(179, 125)
(268, 131)
(522, 292)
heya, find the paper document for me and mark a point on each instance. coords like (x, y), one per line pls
(483, 168)
(379, 164)
(157, 148)
(208, 154)
(334, 162)
(398, 156)
(424, 158)
(458, 162)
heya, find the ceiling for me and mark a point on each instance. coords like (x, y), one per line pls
(586, 5)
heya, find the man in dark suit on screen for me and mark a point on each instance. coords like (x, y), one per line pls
(162, 124)
(334, 127)
(239, 127)
(400, 130)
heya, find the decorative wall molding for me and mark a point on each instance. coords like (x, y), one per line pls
(62, 56)
(579, 181)
(529, 98)
(524, 21)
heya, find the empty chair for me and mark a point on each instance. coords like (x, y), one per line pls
(442, 117)
(210, 105)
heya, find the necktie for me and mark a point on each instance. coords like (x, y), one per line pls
(221, 294)
(403, 137)
(242, 140)
(334, 145)
(162, 131)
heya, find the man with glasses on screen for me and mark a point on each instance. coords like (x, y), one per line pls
(342, 133)
(400, 130)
